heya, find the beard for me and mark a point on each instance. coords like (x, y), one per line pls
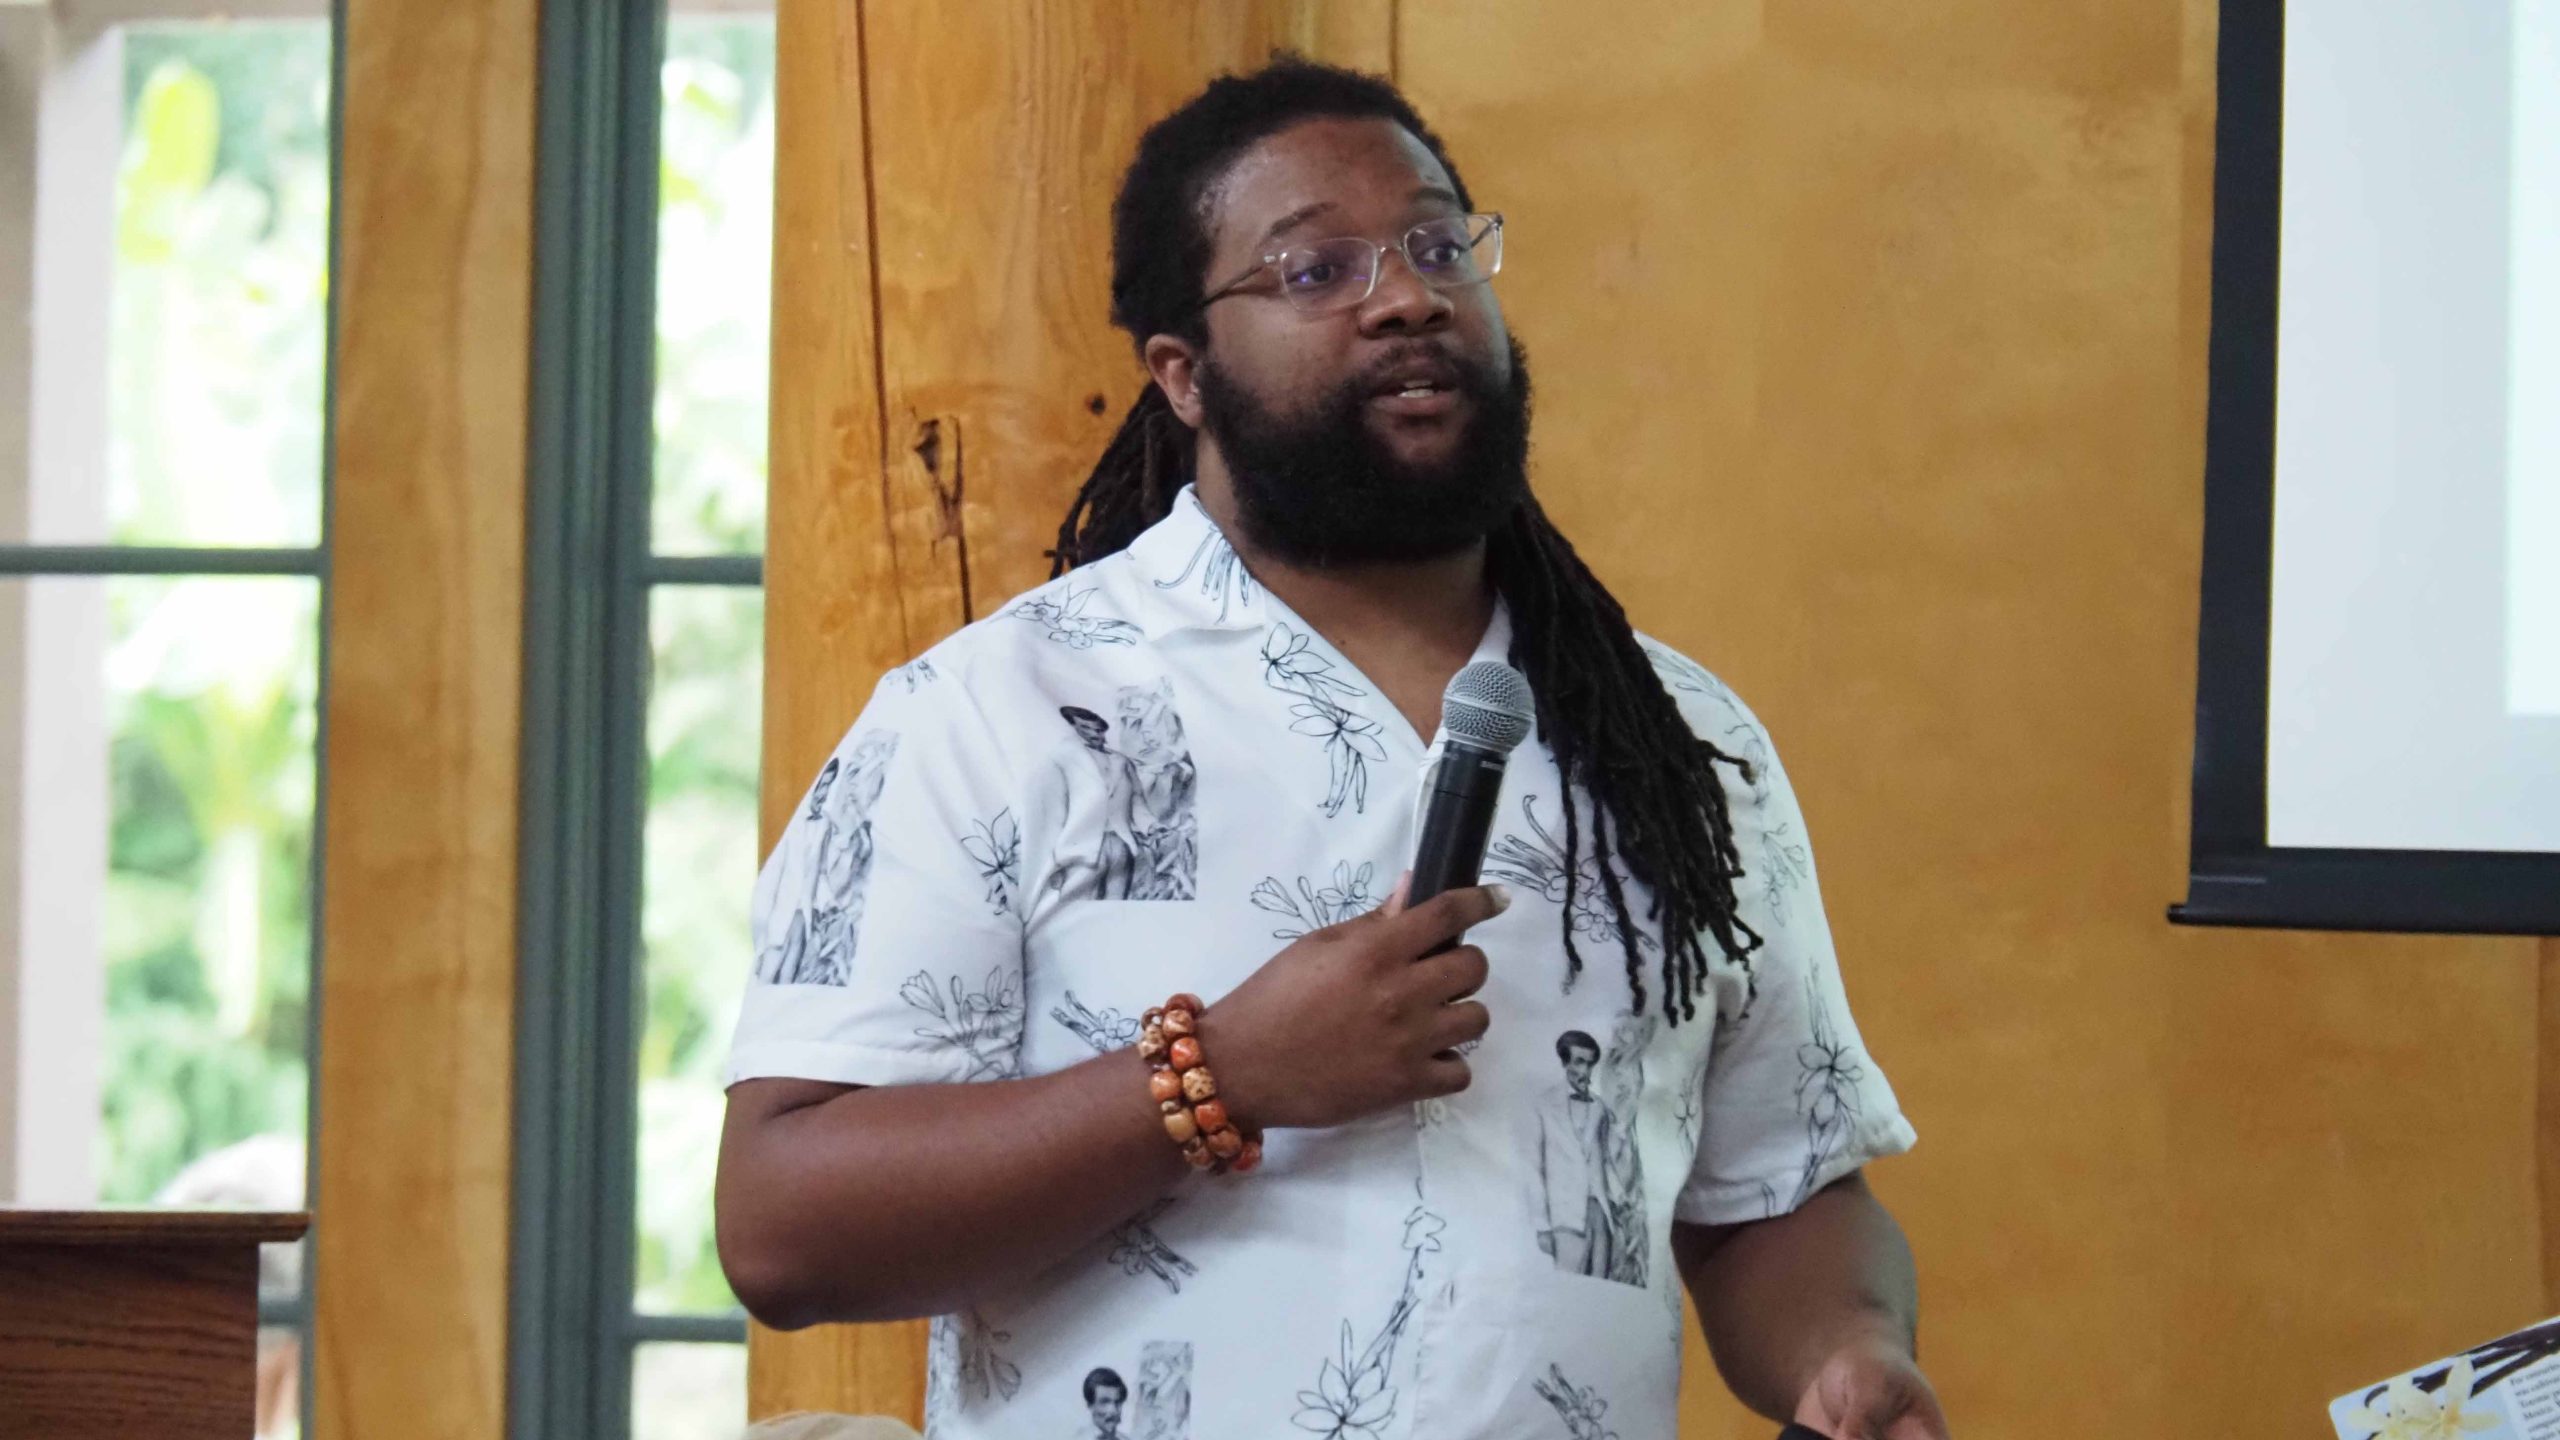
(1319, 489)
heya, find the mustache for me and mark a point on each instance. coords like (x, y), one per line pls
(1472, 375)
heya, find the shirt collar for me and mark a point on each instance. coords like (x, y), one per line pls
(1201, 583)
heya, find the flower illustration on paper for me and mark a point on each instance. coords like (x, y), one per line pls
(2409, 1413)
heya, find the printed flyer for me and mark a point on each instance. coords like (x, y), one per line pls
(2507, 1389)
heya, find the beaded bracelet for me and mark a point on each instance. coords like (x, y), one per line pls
(1186, 1095)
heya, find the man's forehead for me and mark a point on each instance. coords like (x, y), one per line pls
(1318, 166)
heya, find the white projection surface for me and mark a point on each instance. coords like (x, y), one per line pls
(2413, 696)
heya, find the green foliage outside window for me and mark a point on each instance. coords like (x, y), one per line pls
(216, 352)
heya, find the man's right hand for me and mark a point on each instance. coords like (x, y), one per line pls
(1355, 1018)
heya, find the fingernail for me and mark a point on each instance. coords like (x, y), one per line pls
(1501, 897)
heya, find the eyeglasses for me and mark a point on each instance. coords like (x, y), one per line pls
(1446, 254)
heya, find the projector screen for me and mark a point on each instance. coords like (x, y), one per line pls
(2378, 706)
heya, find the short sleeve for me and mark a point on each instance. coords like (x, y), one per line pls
(1791, 1099)
(887, 922)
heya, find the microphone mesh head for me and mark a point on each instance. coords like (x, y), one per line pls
(1487, 705)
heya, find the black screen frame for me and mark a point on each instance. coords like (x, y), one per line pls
(2234, 876)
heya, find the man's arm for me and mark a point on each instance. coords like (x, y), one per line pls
(1811, 1315)
(843, 1203)
(837, 1202)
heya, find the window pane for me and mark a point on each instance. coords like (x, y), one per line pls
(160, 860)
(699, 860)
(213, 302)
(688, 1392)
(715, 268)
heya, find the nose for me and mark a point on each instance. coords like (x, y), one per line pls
(1401, 304)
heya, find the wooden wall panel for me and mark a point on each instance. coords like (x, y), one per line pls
(944, 367)
(1870, 358)
(418, 918)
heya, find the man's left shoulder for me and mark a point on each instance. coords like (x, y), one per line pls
(1693, 686)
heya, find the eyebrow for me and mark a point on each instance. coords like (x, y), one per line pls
(1305, 213)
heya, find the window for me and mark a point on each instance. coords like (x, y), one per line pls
(163, 543)
(651, 518)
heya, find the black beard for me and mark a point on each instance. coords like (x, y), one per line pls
(1317, 489)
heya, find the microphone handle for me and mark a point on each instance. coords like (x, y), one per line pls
(1458, 804)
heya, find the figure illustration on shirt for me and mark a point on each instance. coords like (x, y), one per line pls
(817, 947)
(1591, 1201)
(842, 870)
(1105, 1394)
(1164, 1391)
(1166, 834)
(1572, 1137)
(1149, 845)
(1101, 779)
(1621, 1089)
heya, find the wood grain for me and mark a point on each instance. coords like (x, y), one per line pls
(114, 1337)
(1870, 353)
(424, 705)
(944, 369)
(154, 1225)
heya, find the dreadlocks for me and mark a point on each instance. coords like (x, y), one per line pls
(1657, 805)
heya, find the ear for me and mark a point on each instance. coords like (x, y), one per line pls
(1175, 365)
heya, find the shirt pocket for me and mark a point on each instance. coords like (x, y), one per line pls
(1532, 1354)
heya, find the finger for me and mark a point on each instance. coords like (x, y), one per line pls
(1922, 1420)
(1420, 929)
(1451, 974)
(1876, 1411)
(1461, 1024)
(1445, 1075)
(1387, 909)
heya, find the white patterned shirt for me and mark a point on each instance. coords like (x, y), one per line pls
(1148, 776)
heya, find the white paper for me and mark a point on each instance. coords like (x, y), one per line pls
(2503, 1389)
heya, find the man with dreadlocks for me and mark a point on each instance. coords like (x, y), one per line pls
(1354, 1193)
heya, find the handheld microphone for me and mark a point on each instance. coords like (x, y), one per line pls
(1484, 715)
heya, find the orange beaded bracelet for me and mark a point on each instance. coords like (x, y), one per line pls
(1186, 1095)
